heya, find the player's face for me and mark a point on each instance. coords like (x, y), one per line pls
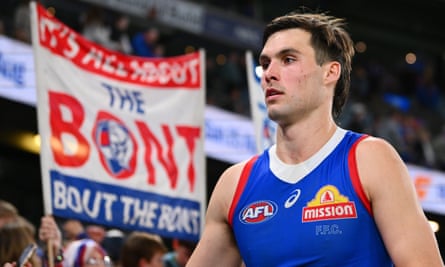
(292, 80)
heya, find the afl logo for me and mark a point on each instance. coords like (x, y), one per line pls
(258, 212)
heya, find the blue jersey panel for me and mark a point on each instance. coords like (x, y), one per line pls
(318, 221)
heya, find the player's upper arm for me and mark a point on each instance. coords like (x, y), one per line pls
(217, 246)
(396, 210)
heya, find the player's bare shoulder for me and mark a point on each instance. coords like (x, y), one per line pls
(375, 149)
(379, 164)
(228, 181)
(225, 188)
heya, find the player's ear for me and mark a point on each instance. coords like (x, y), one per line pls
(332, 71)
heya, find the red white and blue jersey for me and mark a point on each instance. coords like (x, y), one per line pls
(314, 213)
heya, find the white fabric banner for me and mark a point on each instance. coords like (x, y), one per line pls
(265, 128)
(122, 138)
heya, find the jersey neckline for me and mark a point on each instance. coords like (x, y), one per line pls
(292, 173)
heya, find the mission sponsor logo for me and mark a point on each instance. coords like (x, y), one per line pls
(329, 204)
(258, 212)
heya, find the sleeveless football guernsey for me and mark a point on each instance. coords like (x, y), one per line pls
(314, 213)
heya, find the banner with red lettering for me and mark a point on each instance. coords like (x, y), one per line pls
(122, 139)
(265, 128)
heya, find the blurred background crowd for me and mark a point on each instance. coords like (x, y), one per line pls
(401, 100)
(72, 243)
(397, 86)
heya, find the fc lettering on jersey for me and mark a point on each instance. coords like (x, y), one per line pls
(329, 204)
(258, 212)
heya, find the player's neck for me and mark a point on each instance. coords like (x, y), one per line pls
(299, 142)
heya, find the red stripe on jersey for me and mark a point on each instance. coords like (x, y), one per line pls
(355, 178)
(240, 187)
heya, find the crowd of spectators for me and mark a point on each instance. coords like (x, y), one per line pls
(71, 243)
(402, 103)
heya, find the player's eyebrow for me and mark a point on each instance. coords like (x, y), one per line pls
(264, 57)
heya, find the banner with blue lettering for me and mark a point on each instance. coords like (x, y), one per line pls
(265, 128)
(17, 80)
(122, 137)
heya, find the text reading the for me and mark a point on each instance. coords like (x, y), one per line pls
(186, 135)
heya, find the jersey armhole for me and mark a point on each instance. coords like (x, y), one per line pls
(240, 187)
(355, 178)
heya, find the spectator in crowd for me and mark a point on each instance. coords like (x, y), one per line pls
(159, 50)
(51, 238)
(145, 43)
(112, 243)
(80, 251)
(360, 120)
(7, 212)
(22, 22)
(428, 93)
(73, 230)
(419, 143)
(15, 236)
(96, 232)
(142, 249)
(360, 82)
(232, 71)
(94, 27)
(425, 142)
(182, 250)
(85, 253)
(237, 100)
(215, 85)
(119, 37)
(389, 126)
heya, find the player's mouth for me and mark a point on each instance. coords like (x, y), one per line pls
(270, 92)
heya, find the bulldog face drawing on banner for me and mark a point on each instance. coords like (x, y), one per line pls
(117, 146)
